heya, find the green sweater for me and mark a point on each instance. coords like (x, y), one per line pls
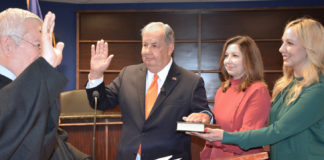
(296, 131)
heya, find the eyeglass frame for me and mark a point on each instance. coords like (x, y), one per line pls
(20, 38)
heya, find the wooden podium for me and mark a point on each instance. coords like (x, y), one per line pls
(108, 132)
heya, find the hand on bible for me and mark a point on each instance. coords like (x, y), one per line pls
(197, 118)
(100, 59)
(210, 135)
(52, 55)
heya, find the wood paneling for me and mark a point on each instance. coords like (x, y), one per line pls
(270, 78)
(124, 54)
(255, 23)
(197, 144)
(126, 25)
(185, 55)
(272, 59)
(212, 83)
(210, 55)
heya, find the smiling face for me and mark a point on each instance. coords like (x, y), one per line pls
(293, 53)
(233, 61)
(156, 53)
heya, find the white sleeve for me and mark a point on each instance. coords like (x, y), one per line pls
(93, 83)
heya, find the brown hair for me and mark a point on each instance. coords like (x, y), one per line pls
(252, 62)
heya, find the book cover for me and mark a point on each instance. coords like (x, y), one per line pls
(194, 127)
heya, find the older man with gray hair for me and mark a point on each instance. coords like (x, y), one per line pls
(29, 87)
(152, 96)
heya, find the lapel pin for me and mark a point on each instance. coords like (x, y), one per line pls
(174, 78)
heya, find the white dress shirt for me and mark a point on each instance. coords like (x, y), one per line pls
(7, 73)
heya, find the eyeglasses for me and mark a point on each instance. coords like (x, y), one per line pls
(38, 46)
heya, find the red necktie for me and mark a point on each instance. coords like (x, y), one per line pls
(151, 96)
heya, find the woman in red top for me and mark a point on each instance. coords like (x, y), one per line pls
(243, 101)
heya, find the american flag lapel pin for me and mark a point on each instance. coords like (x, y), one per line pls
(174, 78)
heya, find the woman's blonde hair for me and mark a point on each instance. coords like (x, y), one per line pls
(252, 62)
(310, 34)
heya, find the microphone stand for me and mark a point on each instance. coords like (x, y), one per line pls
(95, 95)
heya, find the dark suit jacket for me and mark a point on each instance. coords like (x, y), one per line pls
(182, 93)
(4, 81)
(28, 113)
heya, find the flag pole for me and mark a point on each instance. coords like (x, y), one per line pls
(34, 7)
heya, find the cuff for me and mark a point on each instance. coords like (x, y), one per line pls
(93, 83)
(210, 116)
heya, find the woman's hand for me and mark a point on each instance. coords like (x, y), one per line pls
(210, 135)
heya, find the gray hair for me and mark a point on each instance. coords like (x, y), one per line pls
(11, 21)
(168, 31)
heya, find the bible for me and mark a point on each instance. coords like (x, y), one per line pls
(194, 127)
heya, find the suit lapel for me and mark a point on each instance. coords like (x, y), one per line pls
(170, 82)
(141, 81)
(4, 81)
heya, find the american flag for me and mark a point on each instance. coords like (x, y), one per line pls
(33, 6)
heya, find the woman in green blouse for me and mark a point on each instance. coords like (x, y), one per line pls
(296, 129)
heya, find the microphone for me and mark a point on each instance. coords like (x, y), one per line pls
(95, 95)
(163, 91)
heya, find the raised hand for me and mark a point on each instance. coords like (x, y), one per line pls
(100, 59)
(52, 55)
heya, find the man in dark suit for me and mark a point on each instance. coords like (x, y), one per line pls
(150, 133)
(29, 87)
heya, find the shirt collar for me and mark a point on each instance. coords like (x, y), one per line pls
(163, 73)
(7, 73)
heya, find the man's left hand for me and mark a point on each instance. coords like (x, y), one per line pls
(197, 118)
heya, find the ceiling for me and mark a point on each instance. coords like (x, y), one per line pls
(136, 1)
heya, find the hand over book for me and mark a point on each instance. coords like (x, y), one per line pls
(194, 127)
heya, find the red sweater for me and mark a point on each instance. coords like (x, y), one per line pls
(238, 111)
